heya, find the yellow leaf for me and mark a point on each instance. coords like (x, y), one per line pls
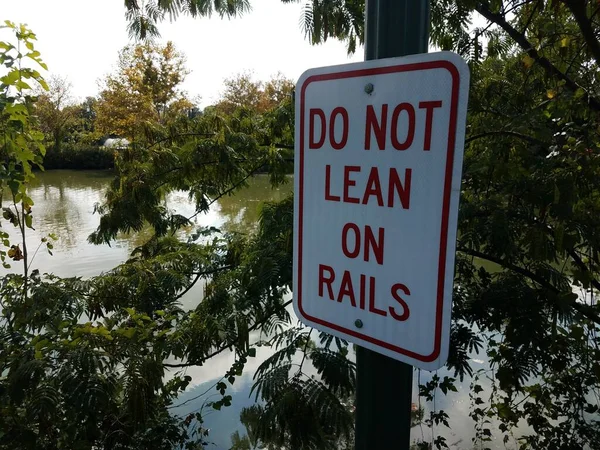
(565, 42)
(551, 93)
(528, 61)
(15, 253)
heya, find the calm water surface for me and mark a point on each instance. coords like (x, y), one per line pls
(64, 205)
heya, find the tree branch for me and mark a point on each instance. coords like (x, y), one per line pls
(578, 8)
(179, 135)
(200, 275)
(517, 269)
(530, 19)
(232, 188)
(544, 62)
(572, 253)
(223, 347)
(304, 351)
(524, 137)
(577, 260)
(582, 308)
(284, 146)
(189, 400)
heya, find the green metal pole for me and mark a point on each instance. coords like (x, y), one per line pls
(384, 385)
(396, 28)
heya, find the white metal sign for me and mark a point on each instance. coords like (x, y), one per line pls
(379, 150)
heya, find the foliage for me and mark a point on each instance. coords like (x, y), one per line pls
(69, 381)
(241, 91)
(302, 410)
(21, 147)
(527, 266)
(320, 20)
(211, 157)
(527, 272)
(530, 207)
(61, 373)
(144, 90)
(341, 19)
(96, 351)
(143, 16)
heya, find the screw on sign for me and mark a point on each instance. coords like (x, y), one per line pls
(379, 148)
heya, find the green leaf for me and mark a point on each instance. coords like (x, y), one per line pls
(33, 55)
(128, 332)
(22, 85)
(11, 78)
(14, 186)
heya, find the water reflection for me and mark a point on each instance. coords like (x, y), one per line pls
(241, 210)
(64, 205)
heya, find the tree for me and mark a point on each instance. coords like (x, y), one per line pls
(145, 90)
(66, 383)
(341, 19)
(241, 91)
(534, 141)
(239, 442)
(55, 110)
(21, 147)
(83, 129)
(144, 15)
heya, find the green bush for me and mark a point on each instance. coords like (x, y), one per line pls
(79, 157)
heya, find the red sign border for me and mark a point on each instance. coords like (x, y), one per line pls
(428, 65)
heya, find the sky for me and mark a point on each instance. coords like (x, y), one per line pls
(80, 40)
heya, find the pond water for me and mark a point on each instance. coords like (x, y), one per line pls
(64, 205)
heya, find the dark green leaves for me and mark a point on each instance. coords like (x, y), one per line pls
(143, 18)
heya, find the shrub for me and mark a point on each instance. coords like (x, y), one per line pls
(79, 157)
